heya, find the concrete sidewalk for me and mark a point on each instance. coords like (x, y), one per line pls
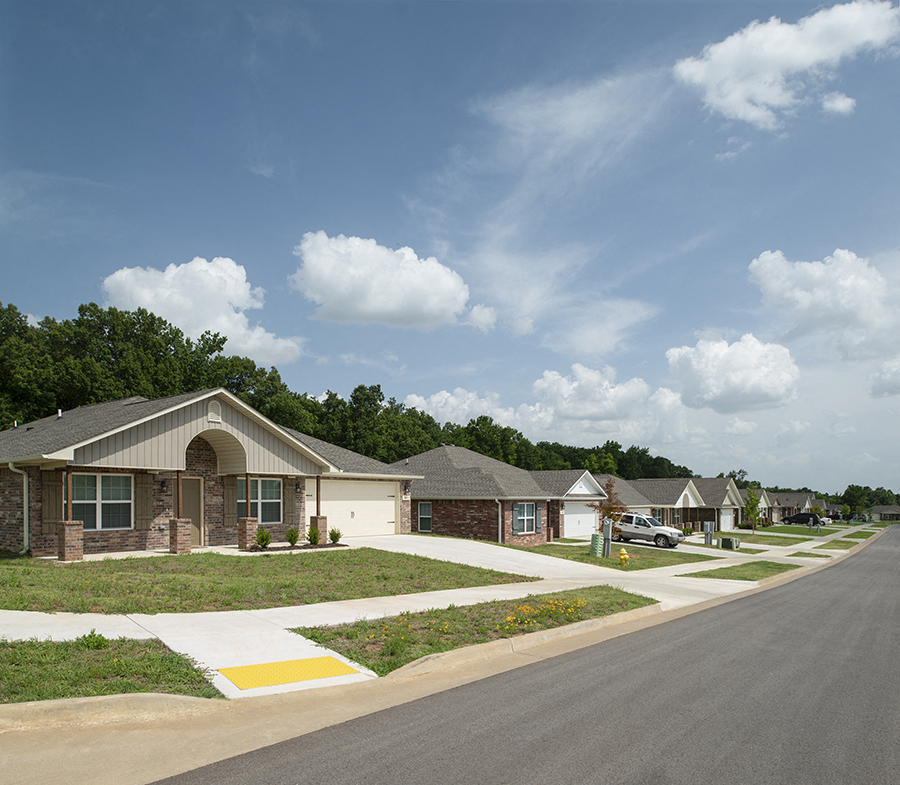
(252, 653)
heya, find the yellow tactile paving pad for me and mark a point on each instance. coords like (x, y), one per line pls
(271, 674)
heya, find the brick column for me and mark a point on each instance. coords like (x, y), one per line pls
(320, 522)
(247, 533)
(179, 535)
(70, 540)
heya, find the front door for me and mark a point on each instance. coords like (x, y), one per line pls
(192, 506)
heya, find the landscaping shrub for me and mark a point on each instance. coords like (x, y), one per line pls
(263, 538)
(334, 535)
(292, 535)
(312, 535)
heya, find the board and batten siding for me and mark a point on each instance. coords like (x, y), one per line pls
(241, 443)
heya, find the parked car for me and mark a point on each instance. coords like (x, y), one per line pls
(803, 518)
(634, 526)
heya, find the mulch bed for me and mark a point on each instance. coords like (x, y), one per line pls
(305, 547)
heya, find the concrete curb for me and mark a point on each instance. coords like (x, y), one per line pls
(104, 710)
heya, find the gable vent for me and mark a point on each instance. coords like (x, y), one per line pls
(214, 411)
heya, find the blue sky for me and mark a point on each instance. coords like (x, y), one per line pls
(672, 224)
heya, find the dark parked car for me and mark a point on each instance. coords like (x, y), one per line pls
(803, 518)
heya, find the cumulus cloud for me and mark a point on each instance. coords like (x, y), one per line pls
(729, 378)
(739, 427)
(838, 103)
(482, 318)
(886, 380)
(462, 405)
(761, 73)
(200, 296)
(354, 280)
(843, 299)
(590, 394)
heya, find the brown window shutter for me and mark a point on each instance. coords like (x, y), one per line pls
(288, 501)
(229, 485)
(51, 501)
(143, 497)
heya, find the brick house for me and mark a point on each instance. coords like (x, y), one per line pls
(465, 494)
(118, 476)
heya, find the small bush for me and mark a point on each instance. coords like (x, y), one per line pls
(292, 535)
(334, 535)
(92, 640)
(312, 535)
(263, 538)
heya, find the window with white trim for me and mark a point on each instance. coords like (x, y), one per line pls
(265, 500)
(102, 501)
(526, 516)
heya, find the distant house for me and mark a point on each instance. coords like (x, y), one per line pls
(125, 469)
(884, 513)
(792, 503)
(465, 494)
(674, 501)
(722, 501)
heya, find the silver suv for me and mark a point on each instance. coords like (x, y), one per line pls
(634, 526)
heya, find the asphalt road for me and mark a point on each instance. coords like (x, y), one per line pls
(798, 684)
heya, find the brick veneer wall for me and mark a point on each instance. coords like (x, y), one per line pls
(476, 519)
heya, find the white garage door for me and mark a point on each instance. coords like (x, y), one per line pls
(579, 520)
(356, 508)
(726, 521)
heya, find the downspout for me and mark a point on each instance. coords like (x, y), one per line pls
(499, 520)
(25, 537)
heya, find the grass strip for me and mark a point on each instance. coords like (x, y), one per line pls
(811, 555)
(383, 645)
(93, 665)
(860, 535)
(789, 529)
(742, 549)
(639, 557)
(215, 582)
(751, 571)
(838, 545)
(745, 536)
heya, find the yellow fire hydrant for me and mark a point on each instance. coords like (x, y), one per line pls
(623, 557)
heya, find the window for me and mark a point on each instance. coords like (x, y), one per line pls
(110, 508)
(265, 500)
(424, 516)
(526, 517)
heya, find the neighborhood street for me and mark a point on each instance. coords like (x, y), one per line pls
(796, 684)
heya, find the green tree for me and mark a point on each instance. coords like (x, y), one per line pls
(751, 508)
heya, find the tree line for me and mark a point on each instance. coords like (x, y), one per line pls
(106, 354)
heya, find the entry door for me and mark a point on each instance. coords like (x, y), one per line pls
(192, 506)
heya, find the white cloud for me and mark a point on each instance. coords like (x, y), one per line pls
(741, 376)
(596, 329)
(760, 73)
(838, 103)
(589, 394)
(461, 405)
(353, 280)
(482, 318)
(739, 427)
(843, 299)
(200, 296)
(886, 381)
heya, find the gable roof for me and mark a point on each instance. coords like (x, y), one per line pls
(628, 495)
(718, 491)
(350, 462)
(451, 472)
(56, 438)
(666, 491)
(570, 483)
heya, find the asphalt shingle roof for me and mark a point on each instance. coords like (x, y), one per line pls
(558, 483)
(714, 490)
(46, 436)
(457, 473)
(347, 460)
(664, 491)
(628, 495)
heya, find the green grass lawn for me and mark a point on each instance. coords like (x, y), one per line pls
(860, 535)
(93, 665)
(724, 552)
(791, 529)
(838, 545)
(811, 555)
(751, 571)
(745, 536)
(383, 645)
(639, 557)
(215, 582)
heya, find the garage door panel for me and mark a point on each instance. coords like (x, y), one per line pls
(579, 520)
(358, 509)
